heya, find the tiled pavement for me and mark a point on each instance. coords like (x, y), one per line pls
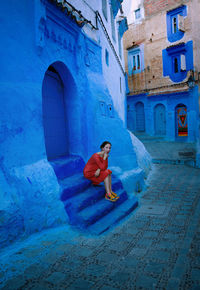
(168, 152)
(157, 247)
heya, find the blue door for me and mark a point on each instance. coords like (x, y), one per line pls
(54, 117)
(140, 117)
(160, 120)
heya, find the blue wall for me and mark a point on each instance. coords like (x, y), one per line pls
(170, 102)
(168, 56)
(36, 35)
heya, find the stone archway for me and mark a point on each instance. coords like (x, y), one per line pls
(58, 91)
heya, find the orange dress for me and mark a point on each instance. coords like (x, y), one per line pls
(94, 163)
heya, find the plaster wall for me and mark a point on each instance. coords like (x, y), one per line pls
(170, 102)
(36, 36)
(153, 33)
(113, 83)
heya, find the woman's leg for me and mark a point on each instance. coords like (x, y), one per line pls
(110, 182)
(110, 186)
(107, 185)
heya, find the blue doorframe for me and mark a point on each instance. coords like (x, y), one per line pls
(54, 115)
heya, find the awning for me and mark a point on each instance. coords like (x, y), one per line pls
(115, 4)
(123, 26)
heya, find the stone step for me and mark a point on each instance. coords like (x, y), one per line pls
(190, 162)
(96, 211)
(67, 166)
(85, 203)
(73, 185)
(88, 197)
(113, 217)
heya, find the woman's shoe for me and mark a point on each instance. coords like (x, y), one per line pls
(114, 195)
(110, 198)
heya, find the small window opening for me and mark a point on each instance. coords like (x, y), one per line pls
(107, 57)
(134, 63)
(137, 13)
(175, 65)
(104, 9)
(138, 61)
(174, 25)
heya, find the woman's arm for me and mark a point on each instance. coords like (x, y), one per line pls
(101, 164)
(97, 172)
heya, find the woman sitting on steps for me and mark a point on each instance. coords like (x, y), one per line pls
(96, 170)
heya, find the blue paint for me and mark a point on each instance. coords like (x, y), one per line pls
(37, 36)
(136, 60)
(160, 120)
(85, 204)
(169, 54)
(115, 6)
(170, 101)
(173, 16)
(140, 117)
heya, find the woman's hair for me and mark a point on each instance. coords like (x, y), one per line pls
(104, 144)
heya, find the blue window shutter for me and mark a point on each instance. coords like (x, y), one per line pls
(189, 55)
(166, 63)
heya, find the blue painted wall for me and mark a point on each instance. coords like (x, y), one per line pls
(178, 34)
(36, 36)
(169, 101)
(168, 56)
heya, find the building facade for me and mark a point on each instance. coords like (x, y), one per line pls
(162, 62)
(59, 99)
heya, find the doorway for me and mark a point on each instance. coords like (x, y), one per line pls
(54, 115)
(140, 117)
(160, 120)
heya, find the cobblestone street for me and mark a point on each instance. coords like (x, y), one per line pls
(157, 247)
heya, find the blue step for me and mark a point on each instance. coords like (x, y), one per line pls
(88, 197)
(84, 203)
(67, 166)
(113, 217)
(96, 211)
(73, 185)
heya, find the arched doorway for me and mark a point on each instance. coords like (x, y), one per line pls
(140, 117)
(54, 115)
(181, 121)
(160, 120)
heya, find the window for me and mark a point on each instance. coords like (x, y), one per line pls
(137, 14)
(177, 60)
(120, 84)
(112, 23)
(176, 68)
(107, 57)
(183, 62)
(104, 9)
(119, 45)
(136, 60)
(175, 23)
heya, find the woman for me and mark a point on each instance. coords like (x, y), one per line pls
(96, 170)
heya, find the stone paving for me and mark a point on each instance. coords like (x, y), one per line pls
(161, 150)
(157, 247)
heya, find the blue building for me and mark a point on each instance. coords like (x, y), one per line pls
(163, 71)
(59, 101)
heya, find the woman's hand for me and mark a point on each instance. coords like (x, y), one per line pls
(97, 173)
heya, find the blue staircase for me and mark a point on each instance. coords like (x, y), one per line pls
(84, 203)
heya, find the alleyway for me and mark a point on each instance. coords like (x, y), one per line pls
(157, 247)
